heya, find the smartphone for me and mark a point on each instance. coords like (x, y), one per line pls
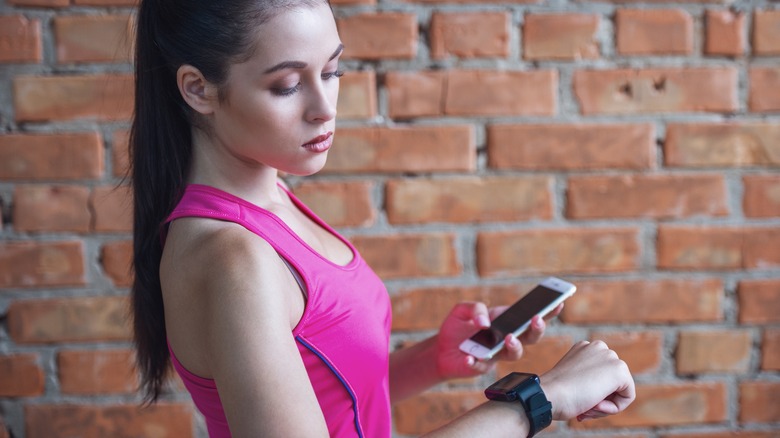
(515, 320)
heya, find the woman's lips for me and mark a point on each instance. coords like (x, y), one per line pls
(320, 143)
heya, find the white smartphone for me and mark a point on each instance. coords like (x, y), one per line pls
(515, 320)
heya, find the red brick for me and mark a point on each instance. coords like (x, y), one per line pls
(51, 156)
(627, 302)
(668, 405)
(41, 264)
(654, 32)
(691, 247)
(20, 39)
(161, 420)
(764, 83)
(51, 208)
(713, 351)
(416, 94)
(646, 196)
(93, 38)
(374, 36)
(83, 319)
(625, 91)
(470, 1)
(722, 144)
(731, 434)
(105, 97)
(560, 36)
(758, 402)
(539, 251)
(469, 199)
(20, 376)
(761, 197)
(538, 358)
(116, 259)
(340, 204)
(501, 93)
(571, 147)
(725, 33)
(770, 350)
(113, 209)
(42, 3)
(426, 308)
(640, 350)
(91, 372)
(413, 255)
(469, 35)
(357, 95)
(472, 93)
(105, 2)
(403, 149)
(120, 159)
(426, 412)
(759, 301)
(766, 32)
(657, 1)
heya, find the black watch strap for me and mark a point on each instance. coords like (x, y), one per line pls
(526, 389)
(539, 411)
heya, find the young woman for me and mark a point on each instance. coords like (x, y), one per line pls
(274, 322)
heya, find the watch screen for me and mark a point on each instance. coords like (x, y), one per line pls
(510, 382)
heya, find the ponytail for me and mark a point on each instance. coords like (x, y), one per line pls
(160, 153)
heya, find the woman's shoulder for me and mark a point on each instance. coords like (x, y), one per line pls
(203, 256)
(216, 272)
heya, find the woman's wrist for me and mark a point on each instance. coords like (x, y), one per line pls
(553, 396)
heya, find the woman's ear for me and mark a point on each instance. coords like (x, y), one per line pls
(199, 93)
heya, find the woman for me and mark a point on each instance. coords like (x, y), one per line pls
(274, 322)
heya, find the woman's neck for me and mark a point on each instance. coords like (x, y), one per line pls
(213, 166)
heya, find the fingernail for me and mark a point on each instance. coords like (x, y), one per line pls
(470, 361)
(514, 342)
(483, 321)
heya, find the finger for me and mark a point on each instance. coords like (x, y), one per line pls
(475, 312)
(513, 348)
(482, 366)
(555, 312)
(535, 331)
(624, 396)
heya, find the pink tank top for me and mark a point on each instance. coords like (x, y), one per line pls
(343, 336)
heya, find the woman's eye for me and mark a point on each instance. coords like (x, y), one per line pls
(333, 74)
(287, 91)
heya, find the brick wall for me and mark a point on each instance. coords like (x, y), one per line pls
(630, 146)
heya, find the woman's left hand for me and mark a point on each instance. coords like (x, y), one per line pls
(464, 320)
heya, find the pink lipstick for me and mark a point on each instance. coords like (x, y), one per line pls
(321, 143)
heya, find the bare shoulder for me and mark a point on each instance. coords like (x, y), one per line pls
(230, 306)
(212, 256)
(217, 279)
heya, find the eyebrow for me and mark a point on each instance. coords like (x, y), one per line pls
(300, 64)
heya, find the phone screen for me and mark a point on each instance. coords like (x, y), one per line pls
(515, 316)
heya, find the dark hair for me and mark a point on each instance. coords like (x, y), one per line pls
(210, 36)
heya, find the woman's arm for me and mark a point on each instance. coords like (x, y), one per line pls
(438, 358)
(590, 381)
(244, 297)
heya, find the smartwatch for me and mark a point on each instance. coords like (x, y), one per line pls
(524, 388)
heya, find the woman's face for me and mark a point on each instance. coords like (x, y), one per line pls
(280, 105)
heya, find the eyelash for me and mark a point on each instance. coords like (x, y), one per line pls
(284, 92)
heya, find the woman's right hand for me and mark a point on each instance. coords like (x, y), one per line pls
(590, 381)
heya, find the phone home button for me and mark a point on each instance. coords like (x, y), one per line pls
(473, 348)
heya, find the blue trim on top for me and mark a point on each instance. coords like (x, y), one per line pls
(341, 379)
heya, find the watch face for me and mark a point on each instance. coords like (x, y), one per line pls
(511, 381)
